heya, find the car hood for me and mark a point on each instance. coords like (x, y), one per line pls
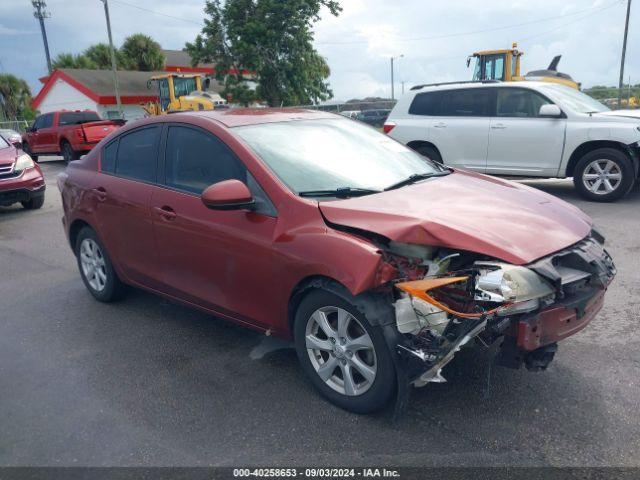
(467, 211)
(7, 155)
(622, 113)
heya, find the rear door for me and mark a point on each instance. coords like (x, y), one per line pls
(123, 192)
(460, 126)
(520, 141)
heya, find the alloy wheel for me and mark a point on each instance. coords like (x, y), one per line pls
(602, 176)
(341, 351)
(93, 264)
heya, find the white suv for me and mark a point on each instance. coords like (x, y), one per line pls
(524, 129)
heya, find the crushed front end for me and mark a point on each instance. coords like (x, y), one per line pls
(443, 299)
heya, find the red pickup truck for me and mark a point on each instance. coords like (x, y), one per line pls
(66, 133)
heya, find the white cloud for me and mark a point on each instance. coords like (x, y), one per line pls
(359, 42)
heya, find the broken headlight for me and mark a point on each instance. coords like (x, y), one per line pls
(517, 286)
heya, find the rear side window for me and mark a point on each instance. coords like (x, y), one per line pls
(108, 160)
(137, 154)
(426, 103)
(195, 159)
(77, 118)
(472, 102)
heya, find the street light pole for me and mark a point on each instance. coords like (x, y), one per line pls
(624, 51)
(113, 59)
(40, 13)
(392, 81)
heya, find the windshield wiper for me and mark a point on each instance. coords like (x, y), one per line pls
(341, 192)
(416, 177)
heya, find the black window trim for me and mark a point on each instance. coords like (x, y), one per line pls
(161, 173)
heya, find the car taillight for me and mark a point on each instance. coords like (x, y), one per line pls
(388, 126)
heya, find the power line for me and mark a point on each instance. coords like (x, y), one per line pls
(593, 10)
(158, 13)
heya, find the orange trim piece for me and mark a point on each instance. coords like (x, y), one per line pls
(419, 289)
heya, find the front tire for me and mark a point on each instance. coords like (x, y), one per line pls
(344, 356)
(34, 203)
(603, 175)
(68, 153)
(96, 268)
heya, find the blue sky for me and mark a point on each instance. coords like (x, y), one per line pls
(435, 37)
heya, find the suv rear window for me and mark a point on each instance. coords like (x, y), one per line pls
(469, 102)
(76, 118)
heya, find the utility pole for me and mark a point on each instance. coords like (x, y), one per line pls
(113, 58)
(392, 81)
(40, 13)
(624, 51)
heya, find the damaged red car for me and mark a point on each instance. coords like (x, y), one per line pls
(377, 262)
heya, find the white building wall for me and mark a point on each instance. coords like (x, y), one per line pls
(63, 96)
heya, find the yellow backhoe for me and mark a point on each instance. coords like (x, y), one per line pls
(504, 65)
(179, 92)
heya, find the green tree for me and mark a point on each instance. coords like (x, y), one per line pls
(15, 98)
(69, 60)
(271, 39)
(100, 55)
(141, 52)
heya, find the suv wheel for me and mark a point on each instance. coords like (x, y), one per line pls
(34, 203)
(345, 357)
(603, 175)
(68, 153)
(96, 268)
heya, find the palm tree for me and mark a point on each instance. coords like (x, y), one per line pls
(142, 52)
(68, 60)
(15, 97)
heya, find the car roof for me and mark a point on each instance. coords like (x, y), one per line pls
(238, 117)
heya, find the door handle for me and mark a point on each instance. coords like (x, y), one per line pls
(440, 125)
(100, 193)
(165, 212)
(498, 126)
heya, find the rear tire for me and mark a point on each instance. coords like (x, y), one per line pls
(68, 153)
(604, 175)
(96, 268)
(357, 351)
(430, 152)
(34, 204)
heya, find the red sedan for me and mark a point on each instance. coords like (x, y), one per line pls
(21, 179)
(377, 262)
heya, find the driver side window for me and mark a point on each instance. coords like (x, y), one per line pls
(519, 103)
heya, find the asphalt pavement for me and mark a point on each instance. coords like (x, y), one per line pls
(146, 382)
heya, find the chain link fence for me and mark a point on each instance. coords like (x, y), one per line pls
(17, 125)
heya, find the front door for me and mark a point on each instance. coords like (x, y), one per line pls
(217, 259)
(122, 193)
(521, 142)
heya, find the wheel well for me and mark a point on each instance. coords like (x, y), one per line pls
(306, 285)
(415, 144)
(74, 230)
(587, 147)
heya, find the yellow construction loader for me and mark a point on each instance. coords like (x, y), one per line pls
(504, 65)
(179, 92)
